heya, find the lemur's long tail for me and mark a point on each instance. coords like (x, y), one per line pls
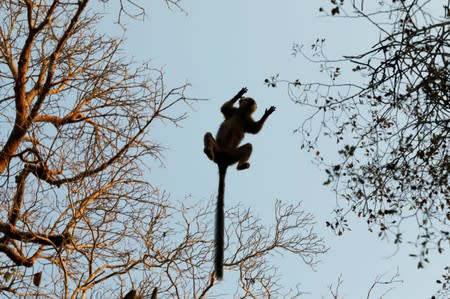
(220, 224)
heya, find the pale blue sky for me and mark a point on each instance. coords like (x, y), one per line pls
(221, 46)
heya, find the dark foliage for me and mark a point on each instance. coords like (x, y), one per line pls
(392, 128)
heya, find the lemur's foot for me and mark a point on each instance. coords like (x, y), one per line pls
(209, 152)
(242, 166)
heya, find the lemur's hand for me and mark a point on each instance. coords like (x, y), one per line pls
(270, 110)
(242, 92)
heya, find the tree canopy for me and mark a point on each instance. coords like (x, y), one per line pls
(392, 124)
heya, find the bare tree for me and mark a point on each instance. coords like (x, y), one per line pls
(392, 124)
(380, 285)
(77, 219)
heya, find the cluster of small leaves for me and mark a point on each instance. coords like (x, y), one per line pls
(272, 81)
(444, 282)
(340, 225)
(394, 128)
(335, 10)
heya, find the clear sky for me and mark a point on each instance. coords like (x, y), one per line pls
(221, 46)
